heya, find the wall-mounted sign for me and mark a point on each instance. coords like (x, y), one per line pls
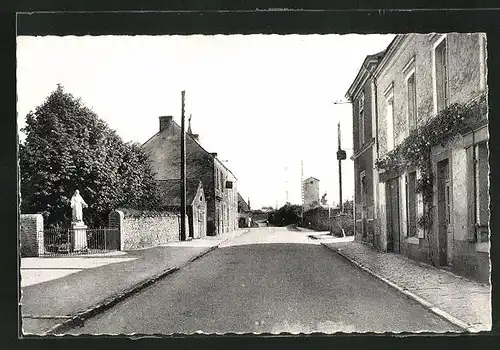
(341, 155)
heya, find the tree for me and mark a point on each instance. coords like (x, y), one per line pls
(67, 147)
(288, 214)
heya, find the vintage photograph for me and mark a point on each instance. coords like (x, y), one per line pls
(253, 184)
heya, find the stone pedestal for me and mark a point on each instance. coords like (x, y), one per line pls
(78, 236)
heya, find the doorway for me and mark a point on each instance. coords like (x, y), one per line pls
(392, 209)
(444, 210)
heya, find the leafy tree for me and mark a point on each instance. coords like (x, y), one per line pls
(67, 147)
(288, 214)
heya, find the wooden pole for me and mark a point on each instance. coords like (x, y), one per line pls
(183, 172)
(340, 176)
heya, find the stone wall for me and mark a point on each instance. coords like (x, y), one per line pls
(319, 219)
(31, 235)
(142, 230)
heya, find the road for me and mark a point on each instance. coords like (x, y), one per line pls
(269, 280)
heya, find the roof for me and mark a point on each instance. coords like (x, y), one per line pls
(309, 178)
(242, 205)
(190, 136)
(362, 73)
(171, 191)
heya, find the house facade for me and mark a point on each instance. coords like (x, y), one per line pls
(363, 93)
(218, 182)
(437, 210)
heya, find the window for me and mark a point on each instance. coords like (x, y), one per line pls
(361, 120)
(390, 123)
(477, 189)
(482, 60)
(411, 204)
(441, 80)
(412, 102)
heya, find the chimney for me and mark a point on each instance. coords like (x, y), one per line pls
(196, 137)
(214, 154)
(165, 122)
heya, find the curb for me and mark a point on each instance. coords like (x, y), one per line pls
(427, 304)
(79, 318)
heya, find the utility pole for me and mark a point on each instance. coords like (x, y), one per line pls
(183, 172)
(302, 191)
(286, 185)
(341, 155)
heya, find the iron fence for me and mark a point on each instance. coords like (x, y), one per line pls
(65, 241)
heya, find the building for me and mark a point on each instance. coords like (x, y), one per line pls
(244, 213)
(311, 193)
(363, 94)
(219, 183)
(430, 165)
(196, 205)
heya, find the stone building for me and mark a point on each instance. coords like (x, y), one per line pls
(311, 193)
(422, 78)
(219, 183)
(244, 213)
(363, 94)
(196, 205)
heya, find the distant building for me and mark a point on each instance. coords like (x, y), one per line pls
(219, 183)
(244, 213)
(311, 193)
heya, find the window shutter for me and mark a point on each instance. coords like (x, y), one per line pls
(471, 214)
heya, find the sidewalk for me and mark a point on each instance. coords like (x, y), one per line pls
(461, 301)
(54, 290)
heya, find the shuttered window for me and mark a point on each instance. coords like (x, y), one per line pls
(411, 204)
(477, 192)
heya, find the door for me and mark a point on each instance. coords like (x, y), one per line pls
(444, 211)
(392, 210)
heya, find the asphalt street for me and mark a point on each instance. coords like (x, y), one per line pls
(270, 280)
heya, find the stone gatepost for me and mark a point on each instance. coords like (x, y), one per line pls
(31, 232)
(115, 220)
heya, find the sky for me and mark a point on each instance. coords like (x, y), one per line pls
(264, 103)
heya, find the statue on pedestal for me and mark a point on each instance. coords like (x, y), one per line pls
(77, 205)
(78, 227)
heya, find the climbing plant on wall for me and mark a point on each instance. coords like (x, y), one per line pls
(415, 150)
